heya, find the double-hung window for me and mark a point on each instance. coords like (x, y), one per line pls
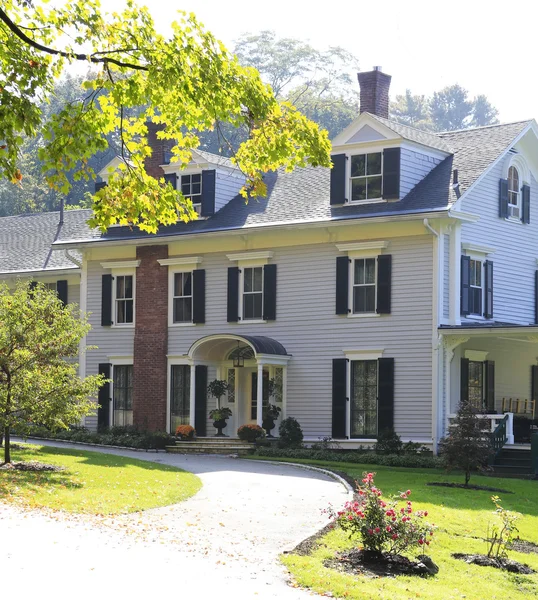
(364, 285)
(124, 299)
(252, 293)
(363, 416)
(475, 288)
(366, 177)
(191, 187)
(182, 299)
(514, 193)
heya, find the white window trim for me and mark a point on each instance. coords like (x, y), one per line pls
(476, 355)
(123, 273)
(242, 291)
(349, 182)
(363, 354)
(354, 355)
(478, 253)
(516, 160)
(477, 249)
(351, 287)
(171, 282)
(171, 360)
(120, 265)
(479, 257)
(187, 262)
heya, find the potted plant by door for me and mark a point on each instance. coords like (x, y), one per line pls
(217, 388)
(270, 415)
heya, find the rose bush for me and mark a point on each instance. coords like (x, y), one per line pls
(384, 527)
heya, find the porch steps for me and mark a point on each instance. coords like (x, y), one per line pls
(211, 445)
(515, 462)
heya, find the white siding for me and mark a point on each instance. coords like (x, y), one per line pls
(516, 244)
(226, 188)
(414, 166)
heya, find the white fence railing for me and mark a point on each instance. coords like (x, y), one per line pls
(495, 420)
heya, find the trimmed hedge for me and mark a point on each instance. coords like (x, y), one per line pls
(412, 461)
(115, 436)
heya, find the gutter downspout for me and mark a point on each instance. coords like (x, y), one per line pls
(436, 367)
(72, 259)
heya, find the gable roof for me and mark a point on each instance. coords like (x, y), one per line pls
(26, 240)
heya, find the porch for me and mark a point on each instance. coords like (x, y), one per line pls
(255, 368)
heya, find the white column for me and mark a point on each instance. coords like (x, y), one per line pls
(192, 402)
(259, 405)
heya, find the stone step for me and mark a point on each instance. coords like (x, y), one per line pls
(208, 449)
(512, 469)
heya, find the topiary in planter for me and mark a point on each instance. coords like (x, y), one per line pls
(250, 433)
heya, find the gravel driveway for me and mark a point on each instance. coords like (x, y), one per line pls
(224, 541)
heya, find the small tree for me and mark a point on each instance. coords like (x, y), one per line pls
(38, 382)
(468, 445)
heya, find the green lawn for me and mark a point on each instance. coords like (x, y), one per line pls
(94, 483)
(462, 518)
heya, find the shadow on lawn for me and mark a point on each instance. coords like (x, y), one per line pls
(34, 481)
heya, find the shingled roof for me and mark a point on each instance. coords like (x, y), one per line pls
(26, 241)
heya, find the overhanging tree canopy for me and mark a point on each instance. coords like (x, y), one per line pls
(188, 83)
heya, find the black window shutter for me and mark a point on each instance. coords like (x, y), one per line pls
(338, 179)
(384, 278)
(536, 297)
(198, 296)
(200, 399)
(233, 294)
(103, 412)
(339, 398)
(490, 385)
(526, 204)
(385, 394)
(503, 198)
(488, 269)
(61, 289)
(99, 185)
(464, 380)
(269, 292)
(391, 173)
(534, 382)
(208, 193)
(171, 178)
(342, 285)
(32, 285)
(465, 284)
(106, 300)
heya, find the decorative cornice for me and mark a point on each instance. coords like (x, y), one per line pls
(452, 342)
(470, 247)
(180, 260)
(121, 264)
(248, 256)
(361, 246)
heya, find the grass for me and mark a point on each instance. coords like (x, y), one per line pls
(94, 483)
(462, 517)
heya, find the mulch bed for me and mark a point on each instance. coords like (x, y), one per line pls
(30, 466)
(357, 561)
(499, 563)
(462, 486)
(524, 547)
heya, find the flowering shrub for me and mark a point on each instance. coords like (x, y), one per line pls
(501, 537)
(384, 527)
(185, 432)
(250, 433)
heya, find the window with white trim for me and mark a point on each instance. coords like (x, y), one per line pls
(363, 408)
(514, 193)
(124, 299)
(476, 384)
(364, 271)
(180, 383)
(366, 178)
(475, 288)
(191, 187)
(182, 298)
(252, 293)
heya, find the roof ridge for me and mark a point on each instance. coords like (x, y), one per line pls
(427, 131)
(471, 129)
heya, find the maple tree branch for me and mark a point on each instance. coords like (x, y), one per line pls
(72, 55)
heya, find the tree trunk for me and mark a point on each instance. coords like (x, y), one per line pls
(7, 446)
(467, 477)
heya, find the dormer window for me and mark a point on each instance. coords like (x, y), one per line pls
(366, 177)
(514, 193)
(191, 187)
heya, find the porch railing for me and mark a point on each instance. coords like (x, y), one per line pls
(495, 420)
(519, 406)
(499, 437)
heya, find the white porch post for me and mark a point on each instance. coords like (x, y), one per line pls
(192, 389)
(510, 429)
(259, 392)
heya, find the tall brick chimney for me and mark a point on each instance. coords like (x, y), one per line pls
(153, 163)
(375, 92)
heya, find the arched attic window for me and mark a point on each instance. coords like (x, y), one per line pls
(514, 193)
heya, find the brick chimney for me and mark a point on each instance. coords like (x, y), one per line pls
(153, 163)
(375, 92)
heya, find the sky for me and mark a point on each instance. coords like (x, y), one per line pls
(488, 47)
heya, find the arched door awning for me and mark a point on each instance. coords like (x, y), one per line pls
(218, 347)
